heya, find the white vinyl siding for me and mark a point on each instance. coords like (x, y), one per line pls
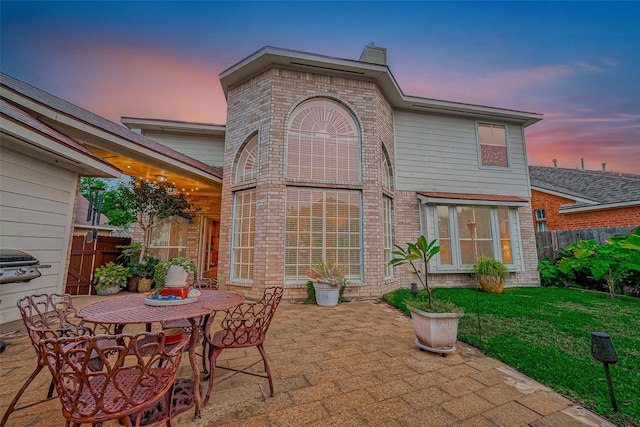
(36, 217)
(322, 224)
(207, 149)
(438, 153)
(244, 228)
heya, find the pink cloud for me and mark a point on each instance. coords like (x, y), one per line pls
(151, 84)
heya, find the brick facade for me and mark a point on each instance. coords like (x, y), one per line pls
(263, 105)
(628, 216)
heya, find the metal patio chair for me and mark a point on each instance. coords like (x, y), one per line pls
(48, 316)
(244, 326)
(138, 371)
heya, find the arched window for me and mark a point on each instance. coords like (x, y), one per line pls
(248, 162)
(387, 176)
(323, 142)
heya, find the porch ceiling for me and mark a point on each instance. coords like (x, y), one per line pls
(151, 171)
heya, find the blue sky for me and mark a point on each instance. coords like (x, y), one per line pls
(578, 63)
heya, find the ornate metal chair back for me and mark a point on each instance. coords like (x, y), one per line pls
(137, 371)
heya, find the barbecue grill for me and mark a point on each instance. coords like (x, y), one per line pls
(17, 266)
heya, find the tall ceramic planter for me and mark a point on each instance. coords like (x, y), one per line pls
(176, 277)
(435, 332)
(326, 295)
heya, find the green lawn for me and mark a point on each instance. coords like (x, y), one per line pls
(546, 332)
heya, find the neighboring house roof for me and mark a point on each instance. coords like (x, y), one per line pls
(591, 190)
(81, 215)
(268, 56)
(29, 130)
(43, 98)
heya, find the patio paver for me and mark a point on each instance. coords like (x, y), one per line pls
(351, 365)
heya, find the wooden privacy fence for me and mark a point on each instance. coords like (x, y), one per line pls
(550, 242)
(86, 257)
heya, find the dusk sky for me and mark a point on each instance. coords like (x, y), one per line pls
(578, 63)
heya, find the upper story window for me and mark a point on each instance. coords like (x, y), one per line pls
(323, 143)
(387, 176)
(493, 144)
(541, 220)
(248, 162)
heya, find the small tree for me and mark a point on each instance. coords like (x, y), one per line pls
(153, 201)
(114, 205)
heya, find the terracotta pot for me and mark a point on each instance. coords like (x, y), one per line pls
(436, 332)
(144, 285)
(132, 283)
(492, 284)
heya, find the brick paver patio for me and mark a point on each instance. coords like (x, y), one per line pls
(352, 365)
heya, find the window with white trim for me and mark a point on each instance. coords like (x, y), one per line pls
(244, 227)
(385, 168)
(541, 220)
(247, 168)
(387, 236)
(168, 238)
(492, 139)
(467, 231)
(323, 143)
(322, 223)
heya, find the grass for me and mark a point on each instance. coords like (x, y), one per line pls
(545, 333)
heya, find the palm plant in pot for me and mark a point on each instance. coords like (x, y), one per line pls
(491, 273)
(110, 277)
(328, 279)
(435, 321)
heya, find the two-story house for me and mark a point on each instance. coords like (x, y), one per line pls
(321, 157)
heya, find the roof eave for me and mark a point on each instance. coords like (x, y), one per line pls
(269, 56)
(568, 209)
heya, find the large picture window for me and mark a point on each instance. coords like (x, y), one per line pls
(323, 143)
(322, 224)
(244, 227)
(467, 231)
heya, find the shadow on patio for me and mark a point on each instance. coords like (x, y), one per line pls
(352, 365)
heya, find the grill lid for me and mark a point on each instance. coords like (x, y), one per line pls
(13, 257)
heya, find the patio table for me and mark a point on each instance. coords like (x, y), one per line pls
(131, 309)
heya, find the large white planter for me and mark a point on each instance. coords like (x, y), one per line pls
(436, 332)
(326, 294)
(176, 277)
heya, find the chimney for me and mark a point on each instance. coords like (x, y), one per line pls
(555, 163)
(582, 162)
(374, 54)
(604, 167)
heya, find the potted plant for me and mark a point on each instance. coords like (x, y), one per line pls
(145, 271)
(173, 273)
(110, 277)
(129, 255)
(328, 279)
(435, 321)
(491, 274)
